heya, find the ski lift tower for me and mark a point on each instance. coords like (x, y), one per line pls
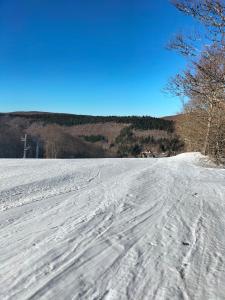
(25, 147)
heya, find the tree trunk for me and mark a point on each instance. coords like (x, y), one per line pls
(209, 124)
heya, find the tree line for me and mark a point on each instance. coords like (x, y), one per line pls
(142, 123)
(129, 145)
(50, 141)
(201, 85)
(56, 141)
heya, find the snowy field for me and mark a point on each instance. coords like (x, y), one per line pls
(112, 229)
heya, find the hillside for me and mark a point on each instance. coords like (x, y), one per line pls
(145, 122)
(173, 118)
(67, 136)
(112, 229)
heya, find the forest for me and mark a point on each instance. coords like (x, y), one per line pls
(52, 135)
(144, 122)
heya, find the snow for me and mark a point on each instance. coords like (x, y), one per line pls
(112, 229)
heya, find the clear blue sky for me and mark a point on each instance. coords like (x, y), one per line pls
(99, 57)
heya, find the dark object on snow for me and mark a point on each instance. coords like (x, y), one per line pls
(185, 244)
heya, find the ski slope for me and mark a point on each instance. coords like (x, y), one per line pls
(112, 229)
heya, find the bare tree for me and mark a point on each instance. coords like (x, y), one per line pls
(211, 13)
(203, 83)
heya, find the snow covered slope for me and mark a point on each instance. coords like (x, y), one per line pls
(112, 229)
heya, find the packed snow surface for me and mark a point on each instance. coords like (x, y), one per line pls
(112, 229)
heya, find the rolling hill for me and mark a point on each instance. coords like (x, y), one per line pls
(86, 136)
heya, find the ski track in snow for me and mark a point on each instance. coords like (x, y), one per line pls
(109, 229)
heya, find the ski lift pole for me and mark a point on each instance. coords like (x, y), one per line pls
(37, 149)
(25, 147)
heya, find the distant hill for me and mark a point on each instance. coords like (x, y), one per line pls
(69, 135)
(173, 118)
(145, 122)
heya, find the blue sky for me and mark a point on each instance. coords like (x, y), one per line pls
(99, 57)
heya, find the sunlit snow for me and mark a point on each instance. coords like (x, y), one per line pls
(112, 229)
